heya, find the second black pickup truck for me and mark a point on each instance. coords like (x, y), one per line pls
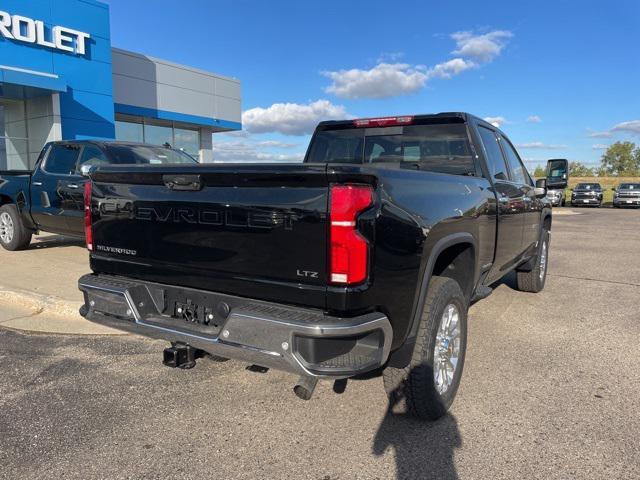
(366, 257)
(50, 198)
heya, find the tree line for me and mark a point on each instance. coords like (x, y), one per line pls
(622, 159)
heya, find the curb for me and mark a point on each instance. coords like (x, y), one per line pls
(38, 302)
(48, 314)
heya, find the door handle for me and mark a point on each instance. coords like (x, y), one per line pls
(72, 185)
(36, 184)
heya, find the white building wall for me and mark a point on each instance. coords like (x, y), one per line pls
(156, 84)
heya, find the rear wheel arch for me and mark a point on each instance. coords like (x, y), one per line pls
(461, 246)
(456, 262)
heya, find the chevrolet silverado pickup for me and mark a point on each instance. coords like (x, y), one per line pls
(50, 198)
(586, 194)
(363, 259)
(626, 195)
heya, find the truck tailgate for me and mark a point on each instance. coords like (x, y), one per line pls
(251, 230)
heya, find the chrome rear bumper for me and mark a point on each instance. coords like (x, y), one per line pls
(293, 339)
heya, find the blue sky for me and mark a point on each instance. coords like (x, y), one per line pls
(561, 77)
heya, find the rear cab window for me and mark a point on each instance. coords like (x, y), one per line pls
(440, 147)
(140, 154)
(92, 156)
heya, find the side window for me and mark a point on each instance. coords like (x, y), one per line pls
(495, 160)
(376, 151)
(62, 159)
(93, 156)
(517, 168)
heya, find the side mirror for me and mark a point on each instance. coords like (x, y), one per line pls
(541, 188)
(85, 170)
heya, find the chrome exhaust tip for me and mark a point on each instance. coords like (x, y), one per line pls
(305, 387)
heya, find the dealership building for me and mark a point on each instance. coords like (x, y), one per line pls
(60, 79)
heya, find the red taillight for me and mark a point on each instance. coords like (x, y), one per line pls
(88, 230)
(383, 122)
(349, 251)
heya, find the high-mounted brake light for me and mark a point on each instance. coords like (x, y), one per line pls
(348, 250)
(88, 229)
(383, 122)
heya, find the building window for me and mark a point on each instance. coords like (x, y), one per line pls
(187, 141)
(129, 131)
(14, 146)
(156, 133)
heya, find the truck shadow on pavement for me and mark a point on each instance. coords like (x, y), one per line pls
(423, 450)
(53, 241)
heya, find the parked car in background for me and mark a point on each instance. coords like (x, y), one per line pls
(50, 198)
(556, 197)
(365, 257)
(626, 195)
(557, 180)
(587, 194)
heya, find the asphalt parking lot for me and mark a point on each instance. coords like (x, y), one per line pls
(551, 389)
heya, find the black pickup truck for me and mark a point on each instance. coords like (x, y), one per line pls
(50, 198)
(364, 258)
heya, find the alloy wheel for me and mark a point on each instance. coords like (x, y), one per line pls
(6, 227)
(446, 354)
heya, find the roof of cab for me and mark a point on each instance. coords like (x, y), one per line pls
(448, 117)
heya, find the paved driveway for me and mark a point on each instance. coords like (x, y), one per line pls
(551, 389)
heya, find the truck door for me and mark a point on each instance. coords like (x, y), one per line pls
(532, 208)
(74, 188)
(510, 206)
(51, 183)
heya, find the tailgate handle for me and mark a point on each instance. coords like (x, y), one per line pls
(182, 182)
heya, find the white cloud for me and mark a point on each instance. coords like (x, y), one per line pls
(534, 119)
(496, 121)
(386, 57)
(599, 146)
(390, 78)
(541, 146)
(482, 48)
(450, 68)
(605, 134)
(383, 80)
(632, 126)
(291, 118)
(235, 134)
(275, 144)
(247, 152)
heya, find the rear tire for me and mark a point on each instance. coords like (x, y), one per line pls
(13, 234)
(415, 389)
(534, 280)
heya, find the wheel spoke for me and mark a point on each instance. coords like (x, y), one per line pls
(447, 348)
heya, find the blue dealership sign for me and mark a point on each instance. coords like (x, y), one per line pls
(64, 47)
